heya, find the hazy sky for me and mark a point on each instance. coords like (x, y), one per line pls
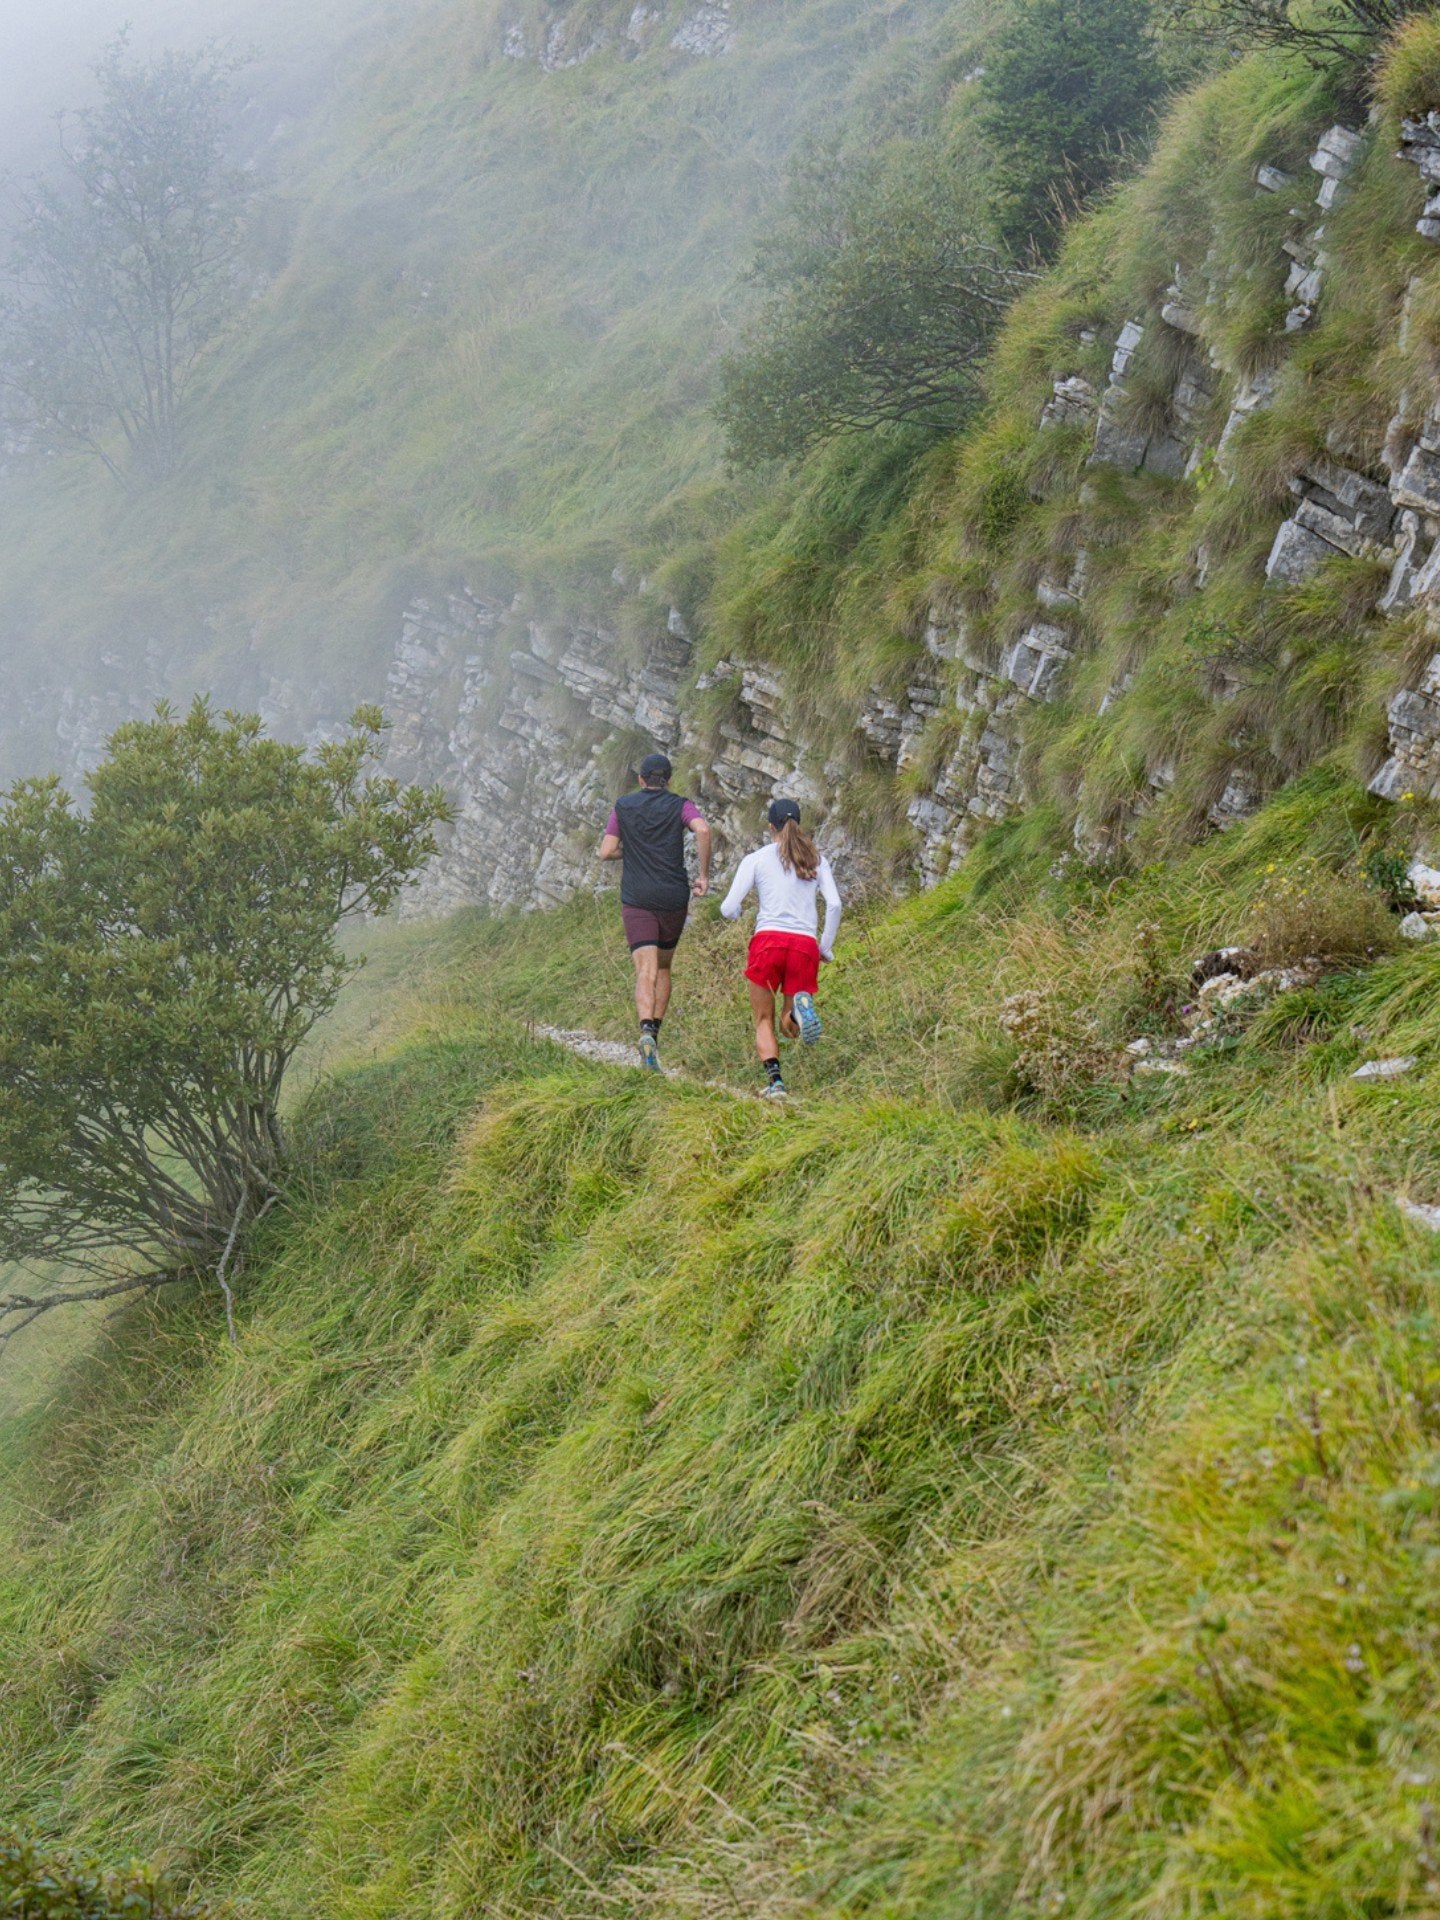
(47, 47)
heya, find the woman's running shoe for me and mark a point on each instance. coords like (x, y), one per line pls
(810, 1027)
(649, 1053)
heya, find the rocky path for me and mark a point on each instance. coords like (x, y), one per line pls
(589, 1046)
(619, 1053)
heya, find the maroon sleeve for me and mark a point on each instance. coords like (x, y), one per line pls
(612, 825)
(689, 814)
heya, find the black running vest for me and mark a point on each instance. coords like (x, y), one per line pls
(652, 835)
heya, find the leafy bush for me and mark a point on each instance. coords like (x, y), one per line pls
(162, 957)
(38, 1886)
(1309, 912)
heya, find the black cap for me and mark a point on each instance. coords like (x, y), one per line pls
(655, 767)
(783, 810)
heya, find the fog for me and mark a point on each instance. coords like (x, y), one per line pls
(48, 48)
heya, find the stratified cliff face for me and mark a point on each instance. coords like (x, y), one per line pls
(533, 726)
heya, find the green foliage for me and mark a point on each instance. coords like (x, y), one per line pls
(1389, 873)
(162, 956)
(125, 265)
(37, 1886)
(1322, 29)
(1069, 95)
(884, 298)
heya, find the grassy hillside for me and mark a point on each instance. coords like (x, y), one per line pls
(988, 1488)
(1001, 1485)
(487, 351)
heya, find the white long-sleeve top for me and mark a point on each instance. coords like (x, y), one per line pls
(788, 904)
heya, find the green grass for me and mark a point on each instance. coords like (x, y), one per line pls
(931, 1500)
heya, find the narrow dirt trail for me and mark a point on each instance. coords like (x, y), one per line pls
(618, 1053)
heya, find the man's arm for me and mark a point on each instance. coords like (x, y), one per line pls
(701, 829)
(830, 893)
(610, 845)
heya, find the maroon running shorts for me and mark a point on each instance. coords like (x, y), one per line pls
(784, 962)
(646, 929)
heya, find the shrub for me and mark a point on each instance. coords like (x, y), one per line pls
(1310, 913)
(163, 955)
(37, 1886)
(1059, 1052)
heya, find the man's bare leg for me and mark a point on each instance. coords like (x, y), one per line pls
(789, 1025)
(646, 974)
(663, 964)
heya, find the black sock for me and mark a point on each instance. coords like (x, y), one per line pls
(652, 1027)
(772, 1070)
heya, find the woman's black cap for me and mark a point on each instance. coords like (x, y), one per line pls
(655, 767)
(783, 810)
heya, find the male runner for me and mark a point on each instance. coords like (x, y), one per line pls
(647, 830)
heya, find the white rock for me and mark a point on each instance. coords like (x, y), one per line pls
(1385, 1069)
(1423, 1216)
(1415, 927)
(1139, 1048)
(1425, 880)
(1296, 554)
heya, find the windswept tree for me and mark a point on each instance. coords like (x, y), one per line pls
(124, 264)
(885, 294)
(162, 956)
(1326, 30)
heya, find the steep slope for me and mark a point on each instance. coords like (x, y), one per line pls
(991, 1486)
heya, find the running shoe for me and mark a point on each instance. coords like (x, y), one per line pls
(649, 1053)
(810, 1027)
(773, 1090)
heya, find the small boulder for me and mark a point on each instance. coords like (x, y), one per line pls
(1236, 960)
(1423, 1216)
(1385, 1069)
(1416, 927)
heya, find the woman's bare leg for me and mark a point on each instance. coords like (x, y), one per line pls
(789, 1025)
(762, 1006)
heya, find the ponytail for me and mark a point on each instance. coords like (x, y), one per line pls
(798, 853)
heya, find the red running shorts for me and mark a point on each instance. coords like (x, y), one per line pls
(784, 962)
